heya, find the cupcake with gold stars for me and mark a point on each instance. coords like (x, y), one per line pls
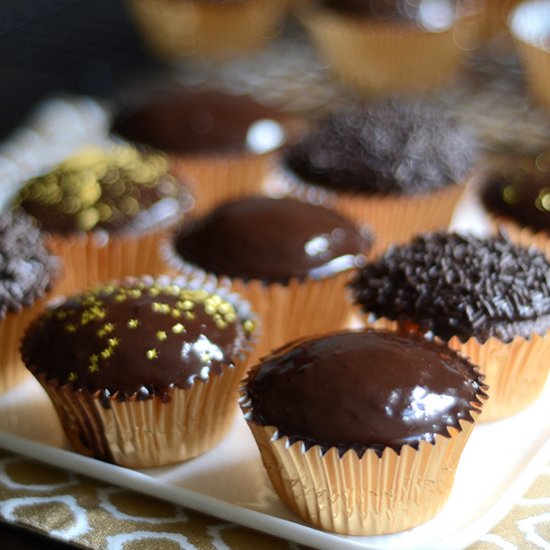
(144, 372)
(104, 211)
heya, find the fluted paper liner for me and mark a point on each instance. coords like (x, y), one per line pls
(301, 307)
(12, 328)
(371, 495)
(536, 62)
(393, 218)
(176, 29)
(88, 261)
(214, 179)
(393, 58)
(515, 371)
(152, 432)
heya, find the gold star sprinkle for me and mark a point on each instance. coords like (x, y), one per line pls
(178, 328)
(93, 367)
(161, 335)
(132, 323)
(73, 376)
(106, 353)
(152, 354)
(113, 342)
(70, 327)
(249, 325)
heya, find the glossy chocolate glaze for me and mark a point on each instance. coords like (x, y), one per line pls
(363, 390)
(272, 239)
(135, 340)
(520, 193)
(197, 122)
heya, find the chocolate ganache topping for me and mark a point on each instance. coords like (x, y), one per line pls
(389, 148)
(116, 189)
(430, 14)
(460, 286)
(27, 269)
(520, 193)
(363, 390)
(140, 339)
(195, 122)
(272, 240)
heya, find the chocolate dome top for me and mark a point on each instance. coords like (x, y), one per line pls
(389, 148)
(363, 390)
(460, 286)
(196, 122)
(138, 339)
(26, 267)
(116, 189)
(520, 192)
(272, 240)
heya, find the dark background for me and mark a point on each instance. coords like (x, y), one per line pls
(51, 46)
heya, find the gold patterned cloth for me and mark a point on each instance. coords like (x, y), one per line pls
(97, 515)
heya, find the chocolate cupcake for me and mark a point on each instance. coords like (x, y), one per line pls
(404, 45)
(516, 195)
(289, 258)
(104, 212)
(397, 166)
(145, 372)
(216, 29)
(28, 272)
(223, 144)
(487, 298)
(361, 432)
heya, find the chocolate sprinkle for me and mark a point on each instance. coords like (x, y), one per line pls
(400, 148)
(26, 267)
(453, 285)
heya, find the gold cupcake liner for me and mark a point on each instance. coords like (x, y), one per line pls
(536, 62)
(173, 30)
(394, 58)
(214, 179)
(299, 308)
(394, 219)
(371, 495)
(89, 261)
(12, 328)
(154, 432)
(515, 372)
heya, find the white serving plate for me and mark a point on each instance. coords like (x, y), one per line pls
(499, 463)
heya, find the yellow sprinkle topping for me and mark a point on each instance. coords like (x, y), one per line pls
(178, 328)
(73, 376)
(152, 354)
(132, 323)
(161, 335)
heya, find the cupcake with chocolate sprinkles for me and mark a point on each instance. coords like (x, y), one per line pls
(361, 432)
(28, 271)
(144, 372)
(395, 165)
(104, 211)
(516, 195)
(290, 259)
(487, 298)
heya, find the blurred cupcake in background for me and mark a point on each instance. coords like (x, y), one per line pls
(385, 46)
(487, 298)
(401, 167)
(28, 272)
(216, 29)
(290, 259)
(104, 212)
(529, 24)
(516, 195)
(223, 144)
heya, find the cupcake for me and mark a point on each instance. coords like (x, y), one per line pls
(487, 298)
(516, 195)
(28, 271)
(217, 29)
(144, 372)
(404, 45)
(104, 212)
(223, 144)
(361, 432)
(397, 166)
(528, 23)
(290, 259)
